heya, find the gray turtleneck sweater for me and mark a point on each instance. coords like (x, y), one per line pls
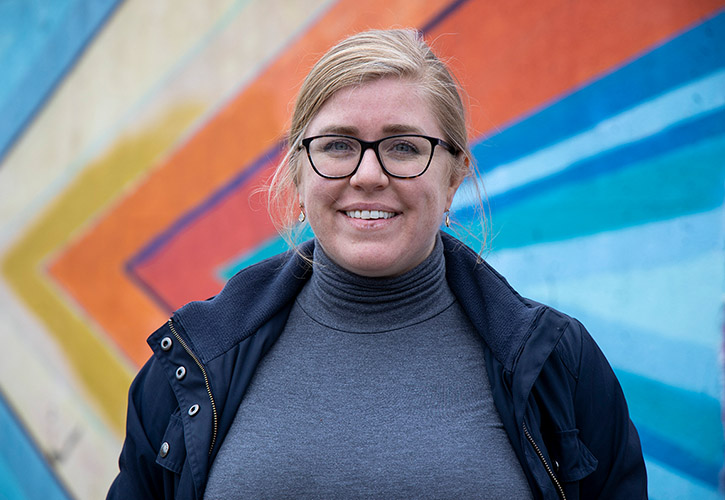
(377, 388)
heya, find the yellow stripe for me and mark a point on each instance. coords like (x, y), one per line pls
(105, 375)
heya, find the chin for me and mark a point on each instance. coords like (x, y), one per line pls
(379, 269)
(371, 268)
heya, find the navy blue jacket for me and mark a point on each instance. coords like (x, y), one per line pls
(559, 400)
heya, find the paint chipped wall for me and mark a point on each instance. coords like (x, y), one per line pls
(135, 134)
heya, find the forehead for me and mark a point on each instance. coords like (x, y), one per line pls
(385, 106)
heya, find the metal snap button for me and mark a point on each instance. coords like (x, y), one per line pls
(180, 373)
(164, 449)
(166, 343)
(193, 410)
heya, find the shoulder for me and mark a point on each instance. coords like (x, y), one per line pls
(504, 318)
(248, 300)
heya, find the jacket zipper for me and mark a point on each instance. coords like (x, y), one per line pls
(553, 477)
(206, 382)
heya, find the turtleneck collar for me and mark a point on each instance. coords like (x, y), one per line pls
(342, 300)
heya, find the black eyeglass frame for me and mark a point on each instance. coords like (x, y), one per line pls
(374, 145)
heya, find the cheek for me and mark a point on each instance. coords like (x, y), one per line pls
(446, 187)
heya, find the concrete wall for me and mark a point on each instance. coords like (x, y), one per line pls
(134, 133)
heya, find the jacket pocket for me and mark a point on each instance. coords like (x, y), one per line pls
(172, 452)
(574, 459)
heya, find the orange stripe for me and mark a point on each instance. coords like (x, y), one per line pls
(515, 56)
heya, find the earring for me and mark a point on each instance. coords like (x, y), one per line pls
(302, 215)
(448, 218)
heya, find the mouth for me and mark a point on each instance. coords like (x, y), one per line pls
(369, 214)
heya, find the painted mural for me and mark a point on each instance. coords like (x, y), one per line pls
(135, 135)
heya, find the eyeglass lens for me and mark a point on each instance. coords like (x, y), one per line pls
(338, 156)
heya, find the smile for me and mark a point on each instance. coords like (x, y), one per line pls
(369, 214)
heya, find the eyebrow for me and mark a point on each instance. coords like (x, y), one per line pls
(392, 129)
(402, 129)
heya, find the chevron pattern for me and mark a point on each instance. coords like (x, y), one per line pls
(136, 135)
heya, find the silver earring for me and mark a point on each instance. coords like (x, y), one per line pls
(448, 219)
(302, 215)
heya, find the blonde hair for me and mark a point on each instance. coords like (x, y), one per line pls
(361, 58)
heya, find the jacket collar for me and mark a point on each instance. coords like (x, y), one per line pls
(256, 294)
(501, 316)
(248, 300)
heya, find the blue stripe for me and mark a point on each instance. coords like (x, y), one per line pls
(24, 31)
(442, 15)
(147, 289)
(682, 135)
(693, 54)
(24, 472)
(61, 50)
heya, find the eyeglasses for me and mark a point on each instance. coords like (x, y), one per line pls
(401, 156)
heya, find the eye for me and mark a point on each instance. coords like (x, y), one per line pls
(337, 146)
(402, 148)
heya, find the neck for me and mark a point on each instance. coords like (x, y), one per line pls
(346, 301)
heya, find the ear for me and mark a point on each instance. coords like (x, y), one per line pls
(456, 181)
(300, 189)
(455, 184)
(298, 179)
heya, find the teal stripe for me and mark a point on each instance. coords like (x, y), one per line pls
(265, 250)
(689, 420)
(686, 181)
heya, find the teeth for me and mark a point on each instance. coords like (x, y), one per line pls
(369, 214)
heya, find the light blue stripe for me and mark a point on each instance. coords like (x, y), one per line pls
(61, 49)
(25, 28)
(677, 362)
(550, 272)
(640, 247)
(667, 484)
(10, 488)
(642, 121)
(24, 474)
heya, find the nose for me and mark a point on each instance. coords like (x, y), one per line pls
(369, 174)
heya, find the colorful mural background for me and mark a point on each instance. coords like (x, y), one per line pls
(134, 134)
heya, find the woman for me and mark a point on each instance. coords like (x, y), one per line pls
(383, 359)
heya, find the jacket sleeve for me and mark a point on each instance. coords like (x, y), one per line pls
(150, 404)
(606, 429)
